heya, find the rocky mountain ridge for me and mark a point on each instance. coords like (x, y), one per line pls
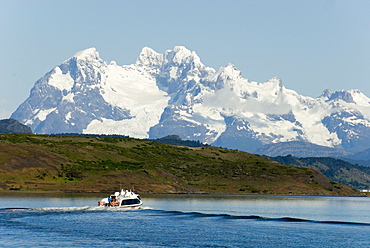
(174, 93)
(13, 126)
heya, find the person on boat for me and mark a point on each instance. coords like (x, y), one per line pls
(114, 201)
(109, 200)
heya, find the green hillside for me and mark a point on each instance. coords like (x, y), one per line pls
(337, 170)
(100, 164)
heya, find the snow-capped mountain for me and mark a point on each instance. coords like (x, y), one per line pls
(174, 93)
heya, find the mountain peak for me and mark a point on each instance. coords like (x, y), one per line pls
(276, 80)
(181, 55)
(149, 57)
(339, 95)
(326, 94)
(87, 54)
(274, 85)
(229, 72)
(349, 96)
(182, 50)
(359, 97)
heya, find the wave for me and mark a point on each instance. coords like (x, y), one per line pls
(261, 218)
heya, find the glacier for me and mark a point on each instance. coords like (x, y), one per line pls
(175, 93)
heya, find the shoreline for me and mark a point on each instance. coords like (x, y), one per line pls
(81, 193)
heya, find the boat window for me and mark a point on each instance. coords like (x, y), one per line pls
(130, 202)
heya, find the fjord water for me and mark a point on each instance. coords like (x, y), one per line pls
(74, 220)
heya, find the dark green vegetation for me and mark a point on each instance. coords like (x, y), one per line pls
(337, 170)
(95, 164)
(176, 140)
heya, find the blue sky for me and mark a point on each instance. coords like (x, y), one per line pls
(311, 44)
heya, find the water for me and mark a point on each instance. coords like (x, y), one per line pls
(49, 220)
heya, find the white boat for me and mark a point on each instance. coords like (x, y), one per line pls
(124, 199)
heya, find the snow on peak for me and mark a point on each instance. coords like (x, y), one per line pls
(87, 54)
(182, 51)
(275, 81)
(61, 81)
(339, 95)
(181, 55)
(231, 71)
(359, 98)
(348, 96)
(326, 94)
(149, 57)
(273, 86)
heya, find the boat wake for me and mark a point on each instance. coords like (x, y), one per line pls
(260, 218)
(74, 209)
(174, 213)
